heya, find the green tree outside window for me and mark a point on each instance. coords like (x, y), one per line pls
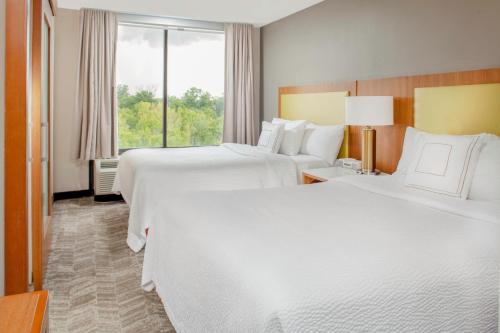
(195, 119)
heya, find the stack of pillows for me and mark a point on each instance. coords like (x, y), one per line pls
(459, 166)
(293, 137)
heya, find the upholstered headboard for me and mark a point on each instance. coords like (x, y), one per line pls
(459, 110)
(322, 105)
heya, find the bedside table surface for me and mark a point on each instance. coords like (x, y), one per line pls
(24, 312)
(329, 173)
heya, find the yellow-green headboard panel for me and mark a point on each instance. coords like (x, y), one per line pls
(458, 110)
(322, 108)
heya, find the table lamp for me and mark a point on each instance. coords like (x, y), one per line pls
(368, 111)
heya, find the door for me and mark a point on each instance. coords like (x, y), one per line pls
(41, 189)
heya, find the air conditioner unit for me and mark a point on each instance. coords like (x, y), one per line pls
(104, 176)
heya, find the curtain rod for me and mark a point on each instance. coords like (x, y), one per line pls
(169, 22)
(168, 27)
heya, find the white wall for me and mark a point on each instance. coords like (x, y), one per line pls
(70, 174)
(2, 113)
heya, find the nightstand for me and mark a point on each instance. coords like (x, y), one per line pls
(320, 175)
(24, 312)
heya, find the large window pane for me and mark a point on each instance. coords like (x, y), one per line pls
(195, 88)
(140, 87)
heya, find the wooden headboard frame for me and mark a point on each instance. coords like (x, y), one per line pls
(325, 112)
(389, 141)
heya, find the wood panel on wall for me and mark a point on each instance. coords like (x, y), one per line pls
(390, 139)
(326, 87)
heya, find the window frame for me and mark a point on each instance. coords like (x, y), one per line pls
(166, 24)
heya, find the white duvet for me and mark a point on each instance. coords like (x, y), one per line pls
(358, 254)
(146, 177)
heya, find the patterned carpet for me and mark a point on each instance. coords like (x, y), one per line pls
(93, 277)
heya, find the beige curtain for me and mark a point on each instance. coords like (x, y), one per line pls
(242, 84)
(95, 99)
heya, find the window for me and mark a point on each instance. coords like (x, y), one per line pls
(170, 87)
(140, 87)
(195, 88)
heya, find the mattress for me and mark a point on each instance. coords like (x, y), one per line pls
(355, 254)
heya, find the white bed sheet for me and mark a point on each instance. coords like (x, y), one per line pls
(356, 254)
(146, 177)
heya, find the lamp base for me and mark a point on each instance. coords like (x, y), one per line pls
(368, 151)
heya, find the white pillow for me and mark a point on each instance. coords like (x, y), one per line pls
(271, 137)
(323, 141)
(293, 135)
(486, 180)
(444, 164)
(409, 146)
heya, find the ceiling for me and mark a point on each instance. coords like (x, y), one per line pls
(256, 12)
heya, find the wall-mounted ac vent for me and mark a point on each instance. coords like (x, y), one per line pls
(109, 164)
(104, 176)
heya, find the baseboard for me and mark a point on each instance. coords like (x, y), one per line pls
(108, 197)
(85, 194)
(73, 195)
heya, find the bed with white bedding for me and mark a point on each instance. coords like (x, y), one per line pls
(355, 254)
(146, 177)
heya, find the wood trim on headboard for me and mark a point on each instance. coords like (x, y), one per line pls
(389, 142)
(349, 86)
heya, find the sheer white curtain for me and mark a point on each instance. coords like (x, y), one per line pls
(242, 85)
(95, 99)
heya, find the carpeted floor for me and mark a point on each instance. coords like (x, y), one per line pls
(93, 277)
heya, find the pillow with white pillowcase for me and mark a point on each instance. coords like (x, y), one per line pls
(409, 146)
(292, 136)
(486, 180)
(271, 137)
(323, 141)
(444, 164)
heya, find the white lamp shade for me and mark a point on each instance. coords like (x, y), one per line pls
(369, 110)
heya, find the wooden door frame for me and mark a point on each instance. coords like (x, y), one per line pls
(36, 165)
(18, 88)
(15, 156)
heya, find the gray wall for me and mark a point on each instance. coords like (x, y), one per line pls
(359, 39)
(70, 174)
(2, 113)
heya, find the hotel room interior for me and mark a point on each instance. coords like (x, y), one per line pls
(249, 166)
